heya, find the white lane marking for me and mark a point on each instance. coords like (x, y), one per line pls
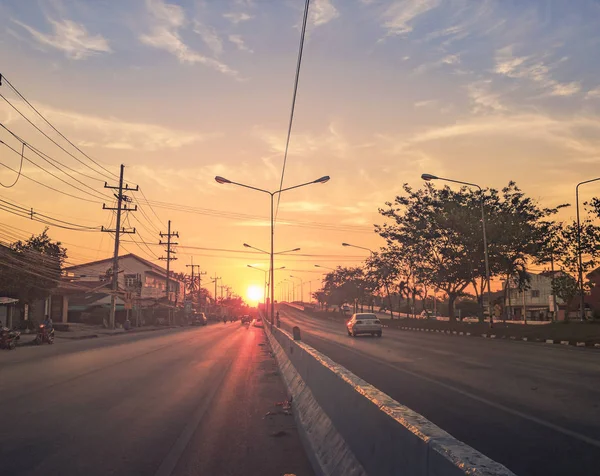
(170, 462)
(498, 406)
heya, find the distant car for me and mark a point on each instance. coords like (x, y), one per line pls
(346, 309)
(364, 323)
(246, 319)
(199, 319)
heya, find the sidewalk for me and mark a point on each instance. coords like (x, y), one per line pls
(79, 331)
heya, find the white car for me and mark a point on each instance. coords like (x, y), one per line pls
(364, 323)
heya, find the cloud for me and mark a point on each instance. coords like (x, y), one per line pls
(238, 41)
(533, 69)
(111, 133)
(332, 142)
(399, 17)
(451, 59)
(322, 12)
(483, 99)
(593, 93)
(169, 19)
(237, 17)
(210, 36)
(425, 103)
(71, 38)
(571, 134)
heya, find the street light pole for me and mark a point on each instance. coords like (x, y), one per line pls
(265, 287)
(301, 287)
(429, 177)
(223, 180)
(579, 259)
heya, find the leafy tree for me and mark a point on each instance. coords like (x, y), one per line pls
(431, 236)
(437, 233)
(31, 269)
(321, 298)
(565, 287)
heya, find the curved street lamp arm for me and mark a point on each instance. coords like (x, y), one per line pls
(469, 184)
(359, 247)
(250, 187)
(298, 186)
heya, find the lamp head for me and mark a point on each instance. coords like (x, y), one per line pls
(323, 179)
(428, 177)
(222, 180)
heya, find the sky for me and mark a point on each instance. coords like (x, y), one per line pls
(178, 92)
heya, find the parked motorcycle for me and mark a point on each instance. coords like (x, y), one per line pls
(8, 338)
(44, 335)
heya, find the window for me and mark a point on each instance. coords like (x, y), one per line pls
(535, 293)
(131, 280)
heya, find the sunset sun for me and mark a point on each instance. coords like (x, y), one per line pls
(254, 294)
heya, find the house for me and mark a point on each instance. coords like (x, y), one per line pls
(535, 303)
(593, 298)
(141, 283)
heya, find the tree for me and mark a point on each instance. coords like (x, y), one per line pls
(431, 235)
(564, 286)
(520, 231)
(31, 269)
(437, 235)
(321, 297)
(346, 285)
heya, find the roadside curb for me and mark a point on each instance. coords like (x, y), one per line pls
(570, 343)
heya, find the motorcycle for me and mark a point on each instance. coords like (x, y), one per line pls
(8, 338)
(44, 335)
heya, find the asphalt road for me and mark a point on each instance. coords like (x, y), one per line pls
(532, 407)
(171, 403)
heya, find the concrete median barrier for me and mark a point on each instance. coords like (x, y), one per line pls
(351, 428)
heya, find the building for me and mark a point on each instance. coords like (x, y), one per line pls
(141, 283)
(535, 303)
(592, 300)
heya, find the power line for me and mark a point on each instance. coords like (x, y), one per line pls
(31, 216)
(297, 77)
(20, 169)
(112, 174)
(153, 211)
(242, 216)
(49, 173)
(32, 213)
(27, 207)
(52, 160)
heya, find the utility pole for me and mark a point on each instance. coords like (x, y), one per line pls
(118, 231)
(168, 259)
(194, 266)
(215, 281)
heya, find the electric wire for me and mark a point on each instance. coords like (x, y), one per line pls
(56, 130)
(296, 79)
(20, 168)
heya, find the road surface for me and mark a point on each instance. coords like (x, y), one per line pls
(532, 407)
(178, 402)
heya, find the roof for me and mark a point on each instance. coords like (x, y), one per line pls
(151, 265)
(593, 273)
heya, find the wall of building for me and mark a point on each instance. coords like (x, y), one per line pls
(153, 285)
